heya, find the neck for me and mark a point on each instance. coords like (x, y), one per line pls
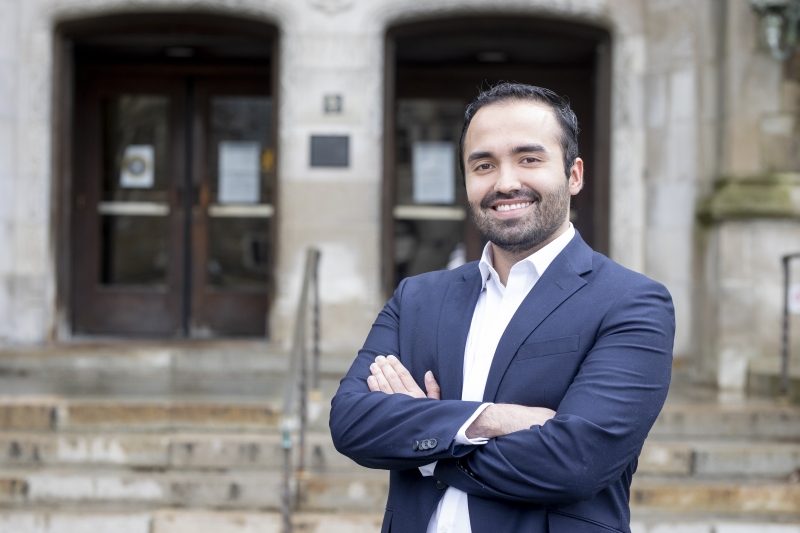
(503, 260)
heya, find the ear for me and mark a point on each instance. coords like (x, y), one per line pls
(576, 176)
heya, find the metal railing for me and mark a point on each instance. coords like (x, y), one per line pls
(785, 330)
(296, 395)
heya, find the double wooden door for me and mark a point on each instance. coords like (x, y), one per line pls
(173, 191)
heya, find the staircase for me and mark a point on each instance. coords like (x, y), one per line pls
(180, 438)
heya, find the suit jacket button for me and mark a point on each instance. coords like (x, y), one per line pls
(440, 485)
(432, 444)
(416, 445)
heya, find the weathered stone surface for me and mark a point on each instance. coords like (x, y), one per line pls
(22, 415)
(701, 497)
(171, 414)
(770, 196)
(665, 458)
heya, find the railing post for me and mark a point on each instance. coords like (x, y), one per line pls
(785, 329)
(296, 383)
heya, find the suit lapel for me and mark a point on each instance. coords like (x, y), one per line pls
(456, 318)
(560, 281)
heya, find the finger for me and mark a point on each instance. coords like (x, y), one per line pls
(372, 383)
(405, 376)
(377, 373)
(391, 376)
(432, 387)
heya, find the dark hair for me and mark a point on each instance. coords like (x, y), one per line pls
(504, 92)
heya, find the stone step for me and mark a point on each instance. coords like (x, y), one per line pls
(175, 451)
(211, 368)
(720, 458)
(764, 378)
(107, 489)
(742, 420)
(191, 521)
(357, 490)
(183, 521)
(749, 420)
(739, 498)
(204, 450)
(47, 413)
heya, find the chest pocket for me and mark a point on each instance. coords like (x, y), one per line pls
(548, 347)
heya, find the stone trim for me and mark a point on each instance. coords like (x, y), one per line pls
(774, 195)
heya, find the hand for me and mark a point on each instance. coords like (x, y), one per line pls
(391, 377)
(503, 418)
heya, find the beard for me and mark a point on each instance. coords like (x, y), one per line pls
(517, 235)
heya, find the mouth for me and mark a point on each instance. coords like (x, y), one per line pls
(511, 208)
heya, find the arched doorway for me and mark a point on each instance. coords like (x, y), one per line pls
(173, 181)
(433, 70)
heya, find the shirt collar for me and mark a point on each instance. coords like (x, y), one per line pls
(540, 259)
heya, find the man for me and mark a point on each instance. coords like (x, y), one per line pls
(544, 365)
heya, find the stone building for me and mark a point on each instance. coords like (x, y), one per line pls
(165, 163)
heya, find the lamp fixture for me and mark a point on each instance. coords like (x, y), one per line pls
(779, 19)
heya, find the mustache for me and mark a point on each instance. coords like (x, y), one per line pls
(524, 195)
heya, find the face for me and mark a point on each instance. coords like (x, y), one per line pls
(514, 172)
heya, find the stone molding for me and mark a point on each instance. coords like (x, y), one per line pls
(771, 196)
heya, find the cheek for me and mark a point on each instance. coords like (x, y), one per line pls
(475, 190)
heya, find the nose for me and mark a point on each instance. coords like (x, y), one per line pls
(507, 180)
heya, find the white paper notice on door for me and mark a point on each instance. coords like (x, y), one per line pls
(239, 177)
(138, 164)
(433, 167)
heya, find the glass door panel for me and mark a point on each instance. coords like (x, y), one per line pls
(133, 205)
(429, 200)
(241, 164)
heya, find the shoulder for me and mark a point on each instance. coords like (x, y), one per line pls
(435, 283)
(623, 288)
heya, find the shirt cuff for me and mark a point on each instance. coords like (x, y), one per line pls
(461, 436)
(427, 470)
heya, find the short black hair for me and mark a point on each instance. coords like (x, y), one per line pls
(508, 92)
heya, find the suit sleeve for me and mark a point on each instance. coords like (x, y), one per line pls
(379, 430)
(601, 423)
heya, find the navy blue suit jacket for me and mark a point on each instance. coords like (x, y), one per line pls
(592, 340)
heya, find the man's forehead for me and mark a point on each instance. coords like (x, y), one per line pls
(534, 120)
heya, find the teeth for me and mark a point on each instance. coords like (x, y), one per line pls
(512, 206)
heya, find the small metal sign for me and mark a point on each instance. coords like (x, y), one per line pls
(330, 150)
(333, 104)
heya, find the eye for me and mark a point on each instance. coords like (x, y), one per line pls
(483, 166)
(531, 159)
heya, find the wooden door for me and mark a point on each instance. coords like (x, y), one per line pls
(128, 225)
(232, 222)
(174, 179)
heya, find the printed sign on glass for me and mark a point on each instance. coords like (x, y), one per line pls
(239, 177)
(137, 167)
(433, 168)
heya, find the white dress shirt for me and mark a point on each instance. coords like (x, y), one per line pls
(495, 308)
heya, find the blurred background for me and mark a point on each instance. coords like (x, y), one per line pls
(166, 341)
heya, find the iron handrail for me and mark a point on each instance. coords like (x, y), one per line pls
(785, 330)
(294, 412)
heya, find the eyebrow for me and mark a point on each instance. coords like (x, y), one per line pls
(525, 148)
(535, 147)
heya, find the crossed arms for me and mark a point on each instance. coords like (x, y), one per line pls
(599, 427)
(391, 377)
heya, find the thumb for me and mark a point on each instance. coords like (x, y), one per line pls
(432, 387)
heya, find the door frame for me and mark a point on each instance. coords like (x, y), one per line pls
(601, 131)
(65, 35)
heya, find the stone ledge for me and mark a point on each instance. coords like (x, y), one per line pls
(736, 198)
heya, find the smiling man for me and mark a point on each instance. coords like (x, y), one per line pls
(514, 393)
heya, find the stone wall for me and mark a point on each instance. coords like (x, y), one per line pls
(695, 96)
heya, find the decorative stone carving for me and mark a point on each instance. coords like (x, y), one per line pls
(331, 7)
